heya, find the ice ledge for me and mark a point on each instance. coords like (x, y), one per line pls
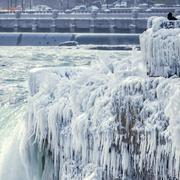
(160, 45)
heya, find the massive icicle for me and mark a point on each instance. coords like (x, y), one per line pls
(160, 47)
(106, 121)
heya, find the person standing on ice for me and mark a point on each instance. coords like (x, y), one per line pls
(171, 17)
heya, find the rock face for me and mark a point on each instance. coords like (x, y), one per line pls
(160, 47)
(106, 121)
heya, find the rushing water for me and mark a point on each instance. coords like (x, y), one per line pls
(15, 63)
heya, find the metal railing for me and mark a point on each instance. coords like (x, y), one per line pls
(134, 15)
(111, 10)
(170, 24)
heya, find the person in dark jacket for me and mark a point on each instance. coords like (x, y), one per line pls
(171, 17)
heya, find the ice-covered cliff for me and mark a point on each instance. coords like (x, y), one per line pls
(104, 121)
(160, 45)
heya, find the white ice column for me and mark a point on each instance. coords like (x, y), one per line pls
(160, 45)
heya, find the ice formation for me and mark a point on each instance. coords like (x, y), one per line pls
(160, 47)
(104, 121)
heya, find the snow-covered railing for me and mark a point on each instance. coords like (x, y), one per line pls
(171, 24)
(165, 24)
(160, 45)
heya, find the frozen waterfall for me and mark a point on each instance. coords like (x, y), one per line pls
(106, 121)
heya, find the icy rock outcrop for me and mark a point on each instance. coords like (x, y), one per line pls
(160, 45)
(106, 121)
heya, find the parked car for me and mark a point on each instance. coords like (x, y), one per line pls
(159, 5)
(106, 10)
(81, 8)
(123, 4)
(93, 9)
(68, 11)
(144, 5)
(42, 8)
(120, 5)
(149, 10)
(104, 6)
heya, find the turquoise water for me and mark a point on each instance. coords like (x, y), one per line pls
(15, 64)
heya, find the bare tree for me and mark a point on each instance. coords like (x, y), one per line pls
(11, 4)
(22, 5)
(61, 4)
(30, 4)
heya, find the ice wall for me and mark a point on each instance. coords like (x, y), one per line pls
(160, 45)
(106, 121)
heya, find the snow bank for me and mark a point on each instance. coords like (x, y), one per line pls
(105, 121)
(160, 45)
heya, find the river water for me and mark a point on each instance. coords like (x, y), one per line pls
(15, 64)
